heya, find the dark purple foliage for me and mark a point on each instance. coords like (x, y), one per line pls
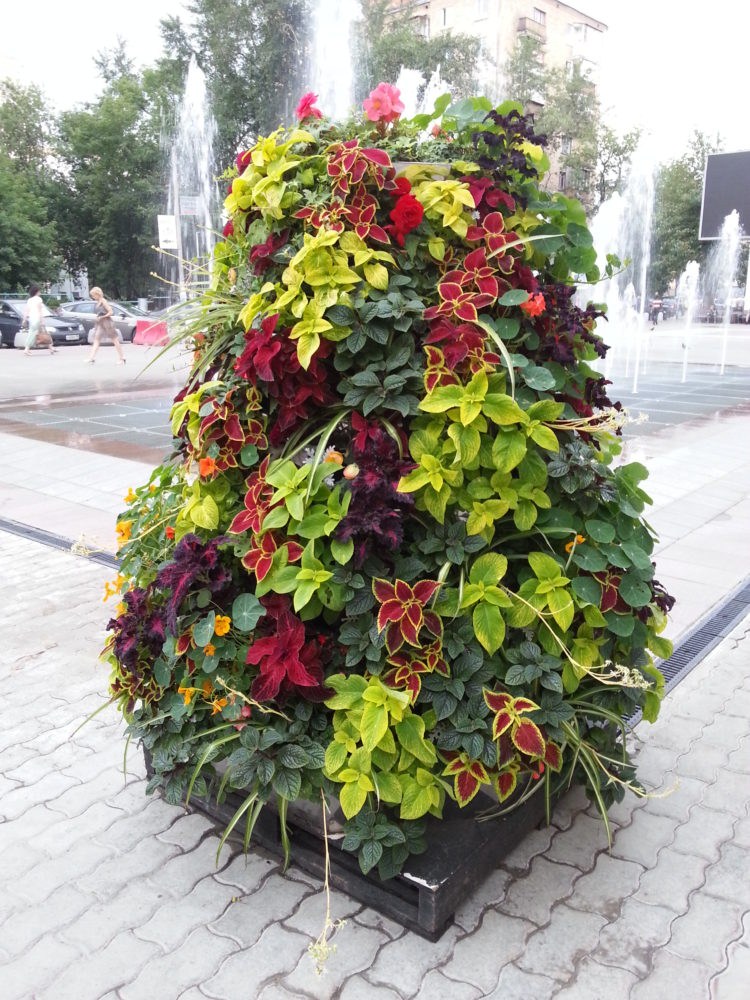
(195, 564)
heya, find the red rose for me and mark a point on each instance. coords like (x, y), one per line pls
(406, 214)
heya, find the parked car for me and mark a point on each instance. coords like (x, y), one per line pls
(669, 308)
(127, 319)
(62, 331)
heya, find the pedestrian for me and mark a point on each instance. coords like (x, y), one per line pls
(34, 316)
(104, 326)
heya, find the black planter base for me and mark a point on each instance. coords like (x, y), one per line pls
(461, 852)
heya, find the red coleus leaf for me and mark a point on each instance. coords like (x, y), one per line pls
(527, 737)
(183, 644)
(501, 722)
(524, 705)
(497, 701)
(505, 783)
(553, 756)
(402, 610)
(469, 776)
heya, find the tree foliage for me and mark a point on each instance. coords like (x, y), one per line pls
(677, 209)
(389, 41)
(113, 187)
(28, 246)
(253, 53)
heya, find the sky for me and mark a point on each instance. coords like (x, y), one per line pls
(663, 68)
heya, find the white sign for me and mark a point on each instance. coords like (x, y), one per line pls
(167, 232)
(190, 204)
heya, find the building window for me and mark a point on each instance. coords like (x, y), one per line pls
(539, 16)
(566, 144)
(563, 182)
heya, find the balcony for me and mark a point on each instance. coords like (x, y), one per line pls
(528, 26)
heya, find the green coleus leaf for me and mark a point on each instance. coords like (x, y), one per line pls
(374, 725)
(544, 566)
(489, 627)
(488, 568)
(387, 786)
(335, 757)
(410, 733)
(352, 798)
(416, 799)
(562, 607)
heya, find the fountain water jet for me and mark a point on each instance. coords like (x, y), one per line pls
(687, 294)
(331, 71)
(193, 194)
(722, 266)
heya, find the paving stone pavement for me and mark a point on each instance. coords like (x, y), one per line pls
(106, 893)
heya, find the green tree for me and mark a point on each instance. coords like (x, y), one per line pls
(677, 209)
(28, 249)
(252, 52)
(111, 186)
(614, 153)
(388, 41)
(570, 119)
(525, 77)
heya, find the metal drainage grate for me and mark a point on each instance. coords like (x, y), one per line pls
(55, 541)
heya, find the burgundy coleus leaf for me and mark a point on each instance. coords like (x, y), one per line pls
(468, 776)
(527, 737)
(260, 255)
(261, 347)
(278, 658)
(508, 711)
(611, 600)
(361, 215)
(506, 752)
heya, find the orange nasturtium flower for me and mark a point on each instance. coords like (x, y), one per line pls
(130, 495)
(209, 649)
(123, 529)
(579, 540)
(218, 704)
(222, 624)
(207, 688)
(206, 467)
(188, 693)
(112, 587)
(169, 532)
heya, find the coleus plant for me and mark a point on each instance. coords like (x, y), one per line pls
(392, 559)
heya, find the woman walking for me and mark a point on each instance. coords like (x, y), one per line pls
(34, 315)
(104, 326)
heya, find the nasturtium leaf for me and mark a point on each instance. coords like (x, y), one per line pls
(621, 625)
(587, 589)
(633, 591)
(203, 630)
(246, 612)
(538, 378)
(513, 297)
(600, 531)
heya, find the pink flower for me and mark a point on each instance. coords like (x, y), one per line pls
(306, 107)
(384, 104)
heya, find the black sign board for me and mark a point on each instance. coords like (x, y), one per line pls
(726, 188)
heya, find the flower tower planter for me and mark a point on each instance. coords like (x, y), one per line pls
(392, 561)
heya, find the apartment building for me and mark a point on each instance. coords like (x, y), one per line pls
(568, 35)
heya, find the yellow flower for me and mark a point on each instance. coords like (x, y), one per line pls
(207, 688)
(210, 649)
(121, 608)
(112, 587)
(218, 704)
(579, 539)
(152, 488)
(123, 529)
(221, 626)
(187, 693)
(130, 495)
